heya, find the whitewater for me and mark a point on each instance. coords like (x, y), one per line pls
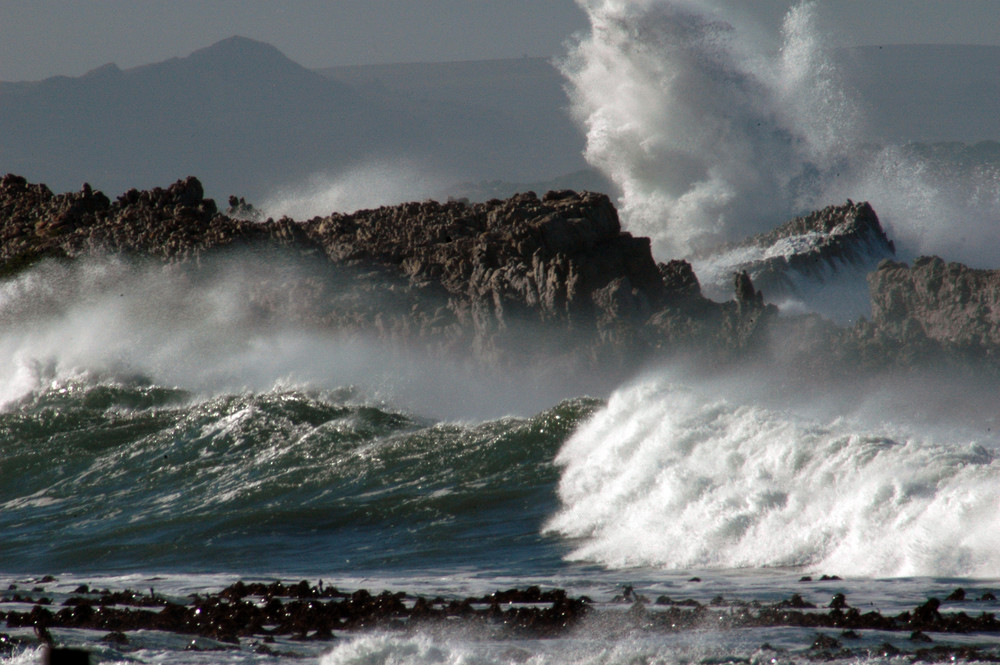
(154, 434)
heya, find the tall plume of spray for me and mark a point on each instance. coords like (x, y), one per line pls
(714, 133)
(708, 136)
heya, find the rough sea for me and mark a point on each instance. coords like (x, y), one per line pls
(150, 441)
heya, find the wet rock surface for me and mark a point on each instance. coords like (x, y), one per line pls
(814, 248)
(261, 616)
(297, 611)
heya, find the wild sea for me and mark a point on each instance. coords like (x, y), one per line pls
(151, 442)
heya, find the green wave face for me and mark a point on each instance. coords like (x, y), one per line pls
(111, 476)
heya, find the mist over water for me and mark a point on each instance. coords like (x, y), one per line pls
(714, 133)
(200, 329)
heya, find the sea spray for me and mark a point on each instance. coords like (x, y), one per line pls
(466, 648)
(230, 323)
(369, 185)
(714, 134)
(669, 476)
(709, 137)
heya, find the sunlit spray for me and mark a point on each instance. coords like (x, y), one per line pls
(368, 185)
(678, 477)
(714, 133)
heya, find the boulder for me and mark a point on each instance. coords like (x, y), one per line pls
(936, 305)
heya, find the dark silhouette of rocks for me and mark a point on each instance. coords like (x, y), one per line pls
(301, 611)
(550, 278)
(554, 277)
(253, 615)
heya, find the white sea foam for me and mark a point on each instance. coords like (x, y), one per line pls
(667, 476)
(574, 650)
(714, 134)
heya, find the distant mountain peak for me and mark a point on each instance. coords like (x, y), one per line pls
(110, 69)
(243, 50)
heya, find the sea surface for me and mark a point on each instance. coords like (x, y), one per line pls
(678, 489)
(152, 440)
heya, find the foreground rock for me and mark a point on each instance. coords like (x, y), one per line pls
(269, 618)
(552, 277)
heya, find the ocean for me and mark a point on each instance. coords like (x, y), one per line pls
(672, 486)
(154, 441)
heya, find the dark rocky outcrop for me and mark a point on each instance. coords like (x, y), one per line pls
(266, 618)
(550, 276)
(808, 250)
(930, 311)
(170, 223)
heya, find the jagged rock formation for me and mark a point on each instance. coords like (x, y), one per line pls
(807, 249)
(549, 277)
(170, 223)
(932, 309)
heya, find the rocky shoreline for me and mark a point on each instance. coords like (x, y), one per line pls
(551, 277)
(268, 618)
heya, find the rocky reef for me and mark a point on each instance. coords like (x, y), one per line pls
(551, 277)
(276, 620)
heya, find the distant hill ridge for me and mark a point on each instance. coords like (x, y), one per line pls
(252, 120)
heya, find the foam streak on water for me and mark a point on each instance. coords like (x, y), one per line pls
(666, 476)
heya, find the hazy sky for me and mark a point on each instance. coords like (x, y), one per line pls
(40, 38)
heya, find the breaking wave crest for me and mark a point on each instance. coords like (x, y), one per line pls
(666, 476)
(134, 474)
